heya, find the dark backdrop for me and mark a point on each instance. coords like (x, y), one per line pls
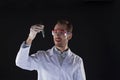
(95, 34)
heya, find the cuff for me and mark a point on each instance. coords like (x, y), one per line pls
(24, 45)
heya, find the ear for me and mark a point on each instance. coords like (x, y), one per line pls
(69, 36)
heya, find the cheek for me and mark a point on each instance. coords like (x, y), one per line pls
(65, 39)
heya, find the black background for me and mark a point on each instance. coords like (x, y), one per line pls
(95, 35)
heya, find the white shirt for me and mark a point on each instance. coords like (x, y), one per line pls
(61, 55)
(47, 64)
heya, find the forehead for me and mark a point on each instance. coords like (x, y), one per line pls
(60, 27)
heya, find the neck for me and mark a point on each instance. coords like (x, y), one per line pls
(62, 48)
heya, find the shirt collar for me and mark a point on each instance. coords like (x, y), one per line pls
(59, 53)
(67, 52)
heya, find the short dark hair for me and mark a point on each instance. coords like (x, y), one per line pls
(67, 23)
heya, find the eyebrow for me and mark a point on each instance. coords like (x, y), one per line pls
(59, 29)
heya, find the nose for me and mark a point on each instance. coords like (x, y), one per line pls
(58, 34)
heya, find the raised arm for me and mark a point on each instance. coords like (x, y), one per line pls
(23, 60)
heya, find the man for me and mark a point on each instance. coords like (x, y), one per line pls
(57, 63)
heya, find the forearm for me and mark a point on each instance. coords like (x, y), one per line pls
(28, 41)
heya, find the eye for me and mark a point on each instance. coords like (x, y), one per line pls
(61, 32)
(55, 31)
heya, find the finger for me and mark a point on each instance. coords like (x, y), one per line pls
(38, 30)
(40, 25)
(36, 27)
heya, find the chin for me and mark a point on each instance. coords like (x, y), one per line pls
(58, 44)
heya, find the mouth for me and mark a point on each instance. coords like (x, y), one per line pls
(57, 39)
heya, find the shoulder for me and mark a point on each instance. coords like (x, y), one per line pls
(40, 53)
(43, 52)
(77, 58)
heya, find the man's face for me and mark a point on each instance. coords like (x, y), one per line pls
(60, 35)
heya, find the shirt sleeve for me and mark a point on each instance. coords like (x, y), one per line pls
(80, 73)
(23, 60)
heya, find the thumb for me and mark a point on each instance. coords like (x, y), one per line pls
(32, 34)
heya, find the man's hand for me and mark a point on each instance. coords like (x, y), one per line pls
(33, 32)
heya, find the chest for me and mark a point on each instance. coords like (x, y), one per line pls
(50, 65)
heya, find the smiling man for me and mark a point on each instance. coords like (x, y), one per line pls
(57, 63)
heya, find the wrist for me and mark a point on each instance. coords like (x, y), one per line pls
(28, 41)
